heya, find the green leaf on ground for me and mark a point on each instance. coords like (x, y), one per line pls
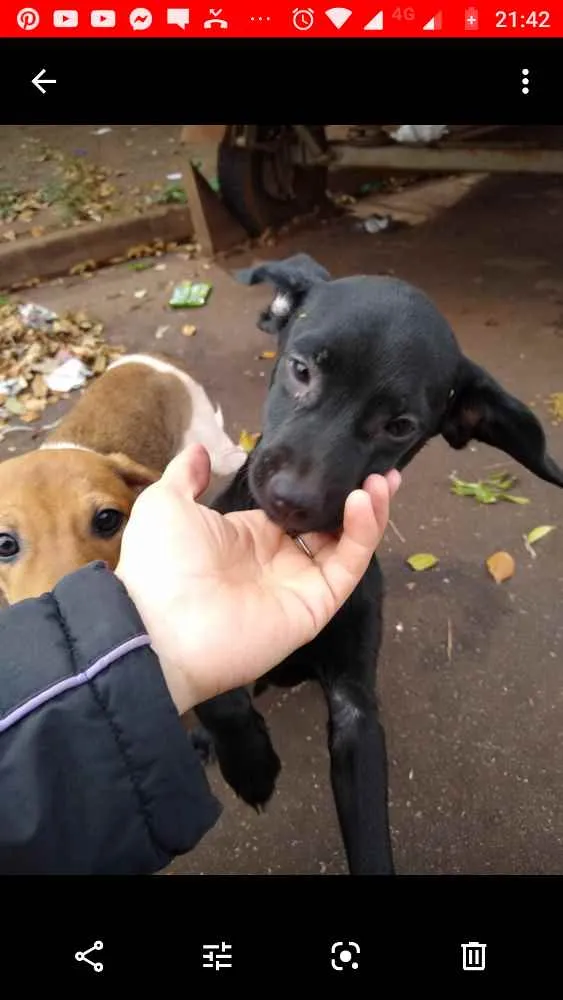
(540, 532)
(487, 491)
(422, 561)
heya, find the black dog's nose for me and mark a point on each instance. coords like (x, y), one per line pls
(288, 497)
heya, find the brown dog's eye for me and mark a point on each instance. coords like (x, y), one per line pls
(300, 371)
(400, 427)
(107, 522)
(9, 547)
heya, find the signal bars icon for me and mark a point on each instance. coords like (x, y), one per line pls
(434, 24)
(338, 16)
(376, 23)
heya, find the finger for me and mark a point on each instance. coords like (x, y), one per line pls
(365, 518)
(393, 478)
(189, 472)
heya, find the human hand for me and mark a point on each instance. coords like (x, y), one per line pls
(225, 598)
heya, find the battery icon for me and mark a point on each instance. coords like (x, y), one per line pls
(471, 19)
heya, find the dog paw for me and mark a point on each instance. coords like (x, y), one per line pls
(203, 744)
(250, 765)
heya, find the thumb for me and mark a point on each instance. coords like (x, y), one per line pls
(366, 514)
(189, 472)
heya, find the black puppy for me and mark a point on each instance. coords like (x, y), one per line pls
(367, 372)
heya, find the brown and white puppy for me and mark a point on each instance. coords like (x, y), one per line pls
(67, 503)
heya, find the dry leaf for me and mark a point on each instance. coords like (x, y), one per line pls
(35, 405)
(100, 364)
(189, 331)
(555, 403)
(9, 235)
(501, 566)
(86, 265)
(422, 561)
(37, 231)
(13, 405)
(38, 387)
(539, 532)
(248, 440)
(142, 250)
(267, 355)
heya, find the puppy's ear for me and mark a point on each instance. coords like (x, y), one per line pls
(481, 409)
(292, 278)
(135, 475)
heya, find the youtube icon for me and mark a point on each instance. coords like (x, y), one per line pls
(102, 19)
(65, 19)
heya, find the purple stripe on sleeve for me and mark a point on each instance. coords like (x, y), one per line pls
(74, 681)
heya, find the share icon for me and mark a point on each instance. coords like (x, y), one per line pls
(82, 956)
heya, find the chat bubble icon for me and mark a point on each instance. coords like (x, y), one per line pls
(179, 16)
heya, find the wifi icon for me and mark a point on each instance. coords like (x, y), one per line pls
(338, 16)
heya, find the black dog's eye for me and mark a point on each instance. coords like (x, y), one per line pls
(400, 427)
(300, 371)
(9, 547)
(107, 522)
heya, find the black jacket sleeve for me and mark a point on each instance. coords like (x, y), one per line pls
(97, 773)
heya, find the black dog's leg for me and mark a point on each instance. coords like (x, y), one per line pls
(359, 776)
(247, 759)
(203, 744)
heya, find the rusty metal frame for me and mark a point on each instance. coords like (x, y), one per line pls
(447, 156)
(448, 159)
(461, 152)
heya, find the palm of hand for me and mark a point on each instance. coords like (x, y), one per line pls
(238, 593)
(226, 597)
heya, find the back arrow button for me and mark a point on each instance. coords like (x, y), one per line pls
(39, 80)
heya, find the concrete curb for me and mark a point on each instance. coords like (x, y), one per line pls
(53, 255)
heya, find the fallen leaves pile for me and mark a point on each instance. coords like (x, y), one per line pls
(81, 190)
(32, 349)
(496, 487)
(78, 192)
(19, 205)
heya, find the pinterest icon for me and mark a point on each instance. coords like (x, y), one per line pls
(28, 18)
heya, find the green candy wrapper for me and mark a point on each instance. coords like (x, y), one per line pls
(190, 294)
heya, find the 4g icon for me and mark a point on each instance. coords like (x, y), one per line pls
(404, 14)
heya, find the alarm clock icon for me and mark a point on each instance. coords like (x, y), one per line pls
(303, 18)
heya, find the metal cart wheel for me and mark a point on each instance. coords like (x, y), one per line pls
(267, 176)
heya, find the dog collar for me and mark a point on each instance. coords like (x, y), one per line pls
(65, 446)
